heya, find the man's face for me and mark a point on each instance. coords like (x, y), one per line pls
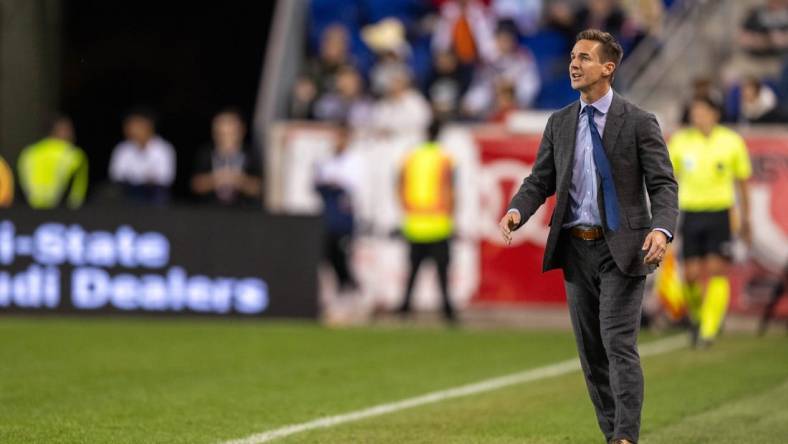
(334, 44)
(702, 115)
(749, 92)
(349, 83)
(63, 130)
(506, 42)
(139, 129)
(228, 132)
(400, 83)
(586, 68)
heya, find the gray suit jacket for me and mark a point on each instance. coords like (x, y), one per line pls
(640, 163)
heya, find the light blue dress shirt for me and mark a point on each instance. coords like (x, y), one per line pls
(583, 208)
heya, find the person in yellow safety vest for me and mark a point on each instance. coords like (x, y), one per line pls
(426, 192)
(711, 163)
(6, 185)
(54, 172)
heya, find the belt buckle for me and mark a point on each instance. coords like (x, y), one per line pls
(587, 233)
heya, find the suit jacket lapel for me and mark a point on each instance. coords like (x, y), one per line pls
(565, 158)
(567, 142)
(613, 123)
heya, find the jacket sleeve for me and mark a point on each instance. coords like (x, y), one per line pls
(540, 184)
(658, 173)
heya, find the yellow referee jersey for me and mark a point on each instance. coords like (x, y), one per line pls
(52, 171)
(707, 168)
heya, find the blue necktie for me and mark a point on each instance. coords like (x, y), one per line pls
(603, 166)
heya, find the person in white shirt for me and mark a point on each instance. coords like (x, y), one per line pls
(143, 164)
(403, 110)
(337, 180)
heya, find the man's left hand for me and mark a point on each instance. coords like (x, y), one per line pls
(655, 246)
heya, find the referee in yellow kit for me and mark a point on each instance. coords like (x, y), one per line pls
(710, 162)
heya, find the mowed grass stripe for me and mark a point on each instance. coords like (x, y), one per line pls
(680, 385)
(760, 418)
(201, 381)
(550, 371)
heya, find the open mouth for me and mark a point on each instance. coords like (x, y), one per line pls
(576, 76)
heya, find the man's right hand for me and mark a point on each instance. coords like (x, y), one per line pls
(508, 223)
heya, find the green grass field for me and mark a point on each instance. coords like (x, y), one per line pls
(194, 381)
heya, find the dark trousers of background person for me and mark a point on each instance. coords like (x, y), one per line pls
(438, 252)
(605, 308)
(336, 251)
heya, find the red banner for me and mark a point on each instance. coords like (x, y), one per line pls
(514, 273)
(768, 256)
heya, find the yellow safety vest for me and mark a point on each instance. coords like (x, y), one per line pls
(427, 195)
(708, 167)
(48, 169)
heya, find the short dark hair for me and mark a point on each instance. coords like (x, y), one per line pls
(611, 50)
(709, 101)
(56, 118)
(231, 110)
(143, 112)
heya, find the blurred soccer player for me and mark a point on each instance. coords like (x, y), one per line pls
(710, 162)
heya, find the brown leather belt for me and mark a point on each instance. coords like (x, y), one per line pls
(586, 232)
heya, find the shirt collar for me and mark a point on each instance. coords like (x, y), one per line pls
(602, 105)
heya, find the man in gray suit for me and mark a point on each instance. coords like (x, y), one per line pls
(601, 155)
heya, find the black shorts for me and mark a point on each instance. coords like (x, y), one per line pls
(704, 233)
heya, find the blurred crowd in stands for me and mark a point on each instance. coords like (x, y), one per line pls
(381, 64)
(384, 64)
(391, 66)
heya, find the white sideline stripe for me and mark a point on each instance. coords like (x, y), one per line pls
(560, 368)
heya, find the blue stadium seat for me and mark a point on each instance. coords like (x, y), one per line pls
(551, 50)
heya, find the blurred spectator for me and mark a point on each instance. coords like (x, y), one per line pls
(512, 64)
(765, 30)
(337, 179)
(606, 15)
(446, 86)
(465, 27)
(302, 101)
(560, 16)
(143, 164)
(320, 74)
(332, 56)
(526, 14)
(701, 87)
(387, 40)
(505, 102)
(348, 103)
(426, 191)
(402, 109)
(225, 172)
(646, 18)
(54, 172)
(6, 185)
(758, 103)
